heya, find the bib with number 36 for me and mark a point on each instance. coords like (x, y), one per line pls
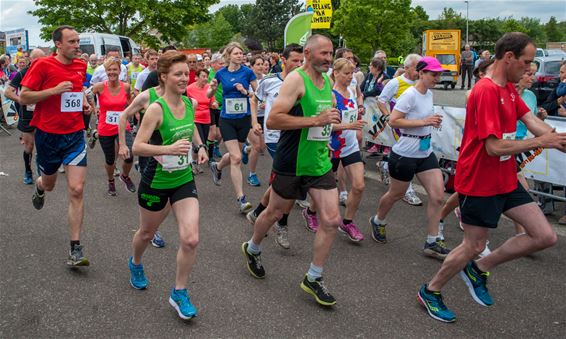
(72, 102)
(236, 105)
(113, 118)
(320, 133)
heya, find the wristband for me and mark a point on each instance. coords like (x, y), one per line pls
(202, 146)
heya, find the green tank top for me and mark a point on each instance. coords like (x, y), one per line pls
(152, 98)
(313, 157)
(171, 171)
(219, 92)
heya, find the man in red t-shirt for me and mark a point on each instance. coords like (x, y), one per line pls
(55, 85)
(486, 178)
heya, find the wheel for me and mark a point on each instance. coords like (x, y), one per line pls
(453, 85)
(445, 85)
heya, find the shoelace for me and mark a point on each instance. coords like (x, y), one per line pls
(381, 230)
(323, 287)
(442, 244)
(257, 261)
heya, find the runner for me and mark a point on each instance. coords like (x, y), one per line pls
(134, 69)
(267, 91)
(412, 156)
(99, 74)
(165, 135)
(137, 108)
(235, 119)
(388, 97)
(197, 91)
(304, 112)
(486, 178)
(151, 57)
(214, 137)
(25, 115)
(54, 84)
(113, 97)
(255, 136)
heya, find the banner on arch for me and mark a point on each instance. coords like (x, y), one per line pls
(322, 10)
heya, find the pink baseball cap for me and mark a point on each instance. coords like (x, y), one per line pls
(429, 63)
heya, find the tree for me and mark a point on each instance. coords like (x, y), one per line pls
(234, 15)
(512, 25)
(213, 34)
(375, 24)
(170, 19)
(553, 32)
(534, 29)
(270, 18)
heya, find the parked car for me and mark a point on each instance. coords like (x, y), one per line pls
(547, 76)
(552, 52)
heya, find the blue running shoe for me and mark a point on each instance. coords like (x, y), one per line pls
(137, 276)
(434, 305)
(253, 180)
(157, 240)
(378, 231)
(28, 178)
(181, 302)
(216, 152)
(245, 154)
(476, 283)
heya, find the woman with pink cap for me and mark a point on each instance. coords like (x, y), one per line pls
(412, 155)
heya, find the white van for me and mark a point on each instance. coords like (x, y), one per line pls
(98, 43)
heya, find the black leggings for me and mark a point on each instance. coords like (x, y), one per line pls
(108, 143)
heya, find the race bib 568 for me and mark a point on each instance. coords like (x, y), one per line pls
(72, 101)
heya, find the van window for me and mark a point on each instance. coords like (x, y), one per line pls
(446, 59)
(107, 47)
(88, 49)
(552, 67)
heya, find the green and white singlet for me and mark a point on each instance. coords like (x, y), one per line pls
(304, 152)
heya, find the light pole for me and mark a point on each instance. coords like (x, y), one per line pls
(467, 7)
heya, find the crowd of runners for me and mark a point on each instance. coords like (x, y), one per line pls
(304, 107)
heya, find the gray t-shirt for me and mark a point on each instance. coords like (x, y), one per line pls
(467, 57)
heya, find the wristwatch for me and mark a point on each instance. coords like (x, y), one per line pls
(202, 146)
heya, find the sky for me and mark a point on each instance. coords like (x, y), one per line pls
(13, 13)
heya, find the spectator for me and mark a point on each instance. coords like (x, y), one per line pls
(467, 63)
(373, 83)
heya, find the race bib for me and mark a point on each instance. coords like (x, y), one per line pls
(320, 133)
(30, 108)
(349, 116)
(171, 163)
(112, 118)
(507, 136)
(72, 102)
(236, 106)
(134, 76)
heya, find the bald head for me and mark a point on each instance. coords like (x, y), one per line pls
(36, 54)
(315, 41)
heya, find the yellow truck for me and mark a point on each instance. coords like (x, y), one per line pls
(444, 45)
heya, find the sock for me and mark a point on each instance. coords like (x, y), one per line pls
(377, 221)
(251, 173)
(475, 268)
(111, 180)
(210, 145)
(314, 272)
(283, 220)
(75, 243)
(260, 208)
(253, 248)
(39, 190)
(431, 239)
(310, 212)
(441, 230)
(347, 221)
(343, 193)
(27, 161)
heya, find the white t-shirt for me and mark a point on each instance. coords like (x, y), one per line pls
(99, 74)
(391, 89)
(141, 79)
(416, 106)
(267, 91)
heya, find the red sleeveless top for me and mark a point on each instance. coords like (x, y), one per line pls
(111, 107)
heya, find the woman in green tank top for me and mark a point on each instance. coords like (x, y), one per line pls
(165, 135)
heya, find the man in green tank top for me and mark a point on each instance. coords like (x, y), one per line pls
(304, 111)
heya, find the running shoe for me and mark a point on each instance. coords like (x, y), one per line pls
(28, 178)
(76, 257)
(92, 140)
(373, 149)
(476, 283)
(181, 302)
(411, 198)
(112, 188)
(116, 172)
(216, 173)
(343, 198)
(303, 203)
(318, 290)
(252, 217)
(282, 235)
(351, 231)
(378, 231)
(38, 199)
(157, 240)
(245, 152)
(88, 132)
(311, 222)
(434, 305)
(437, 249)
(253, 180)
(459, 217)
(245, 206)
(383, 172)
(130, 186)
(137, 276)
(216, 152)
(253, 262)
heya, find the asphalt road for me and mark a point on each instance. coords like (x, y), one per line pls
(375, 284)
